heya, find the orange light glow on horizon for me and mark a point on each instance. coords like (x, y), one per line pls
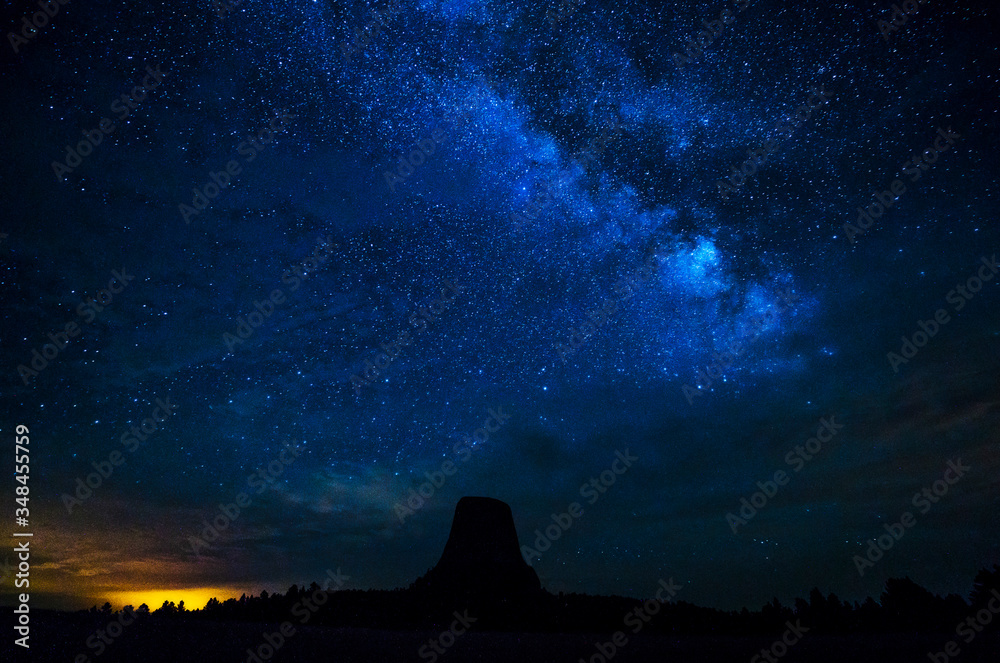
(194, 598)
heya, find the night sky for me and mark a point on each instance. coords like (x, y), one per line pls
(449, 217)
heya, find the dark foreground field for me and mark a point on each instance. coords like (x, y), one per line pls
(58, 637)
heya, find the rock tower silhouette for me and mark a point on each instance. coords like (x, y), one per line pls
(481, 567)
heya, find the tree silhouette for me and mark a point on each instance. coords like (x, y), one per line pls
(906, 605)
(985, 582)
(168, 609)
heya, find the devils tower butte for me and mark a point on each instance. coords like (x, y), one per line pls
(482, 558)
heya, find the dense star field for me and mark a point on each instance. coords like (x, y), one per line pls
(281, 281)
